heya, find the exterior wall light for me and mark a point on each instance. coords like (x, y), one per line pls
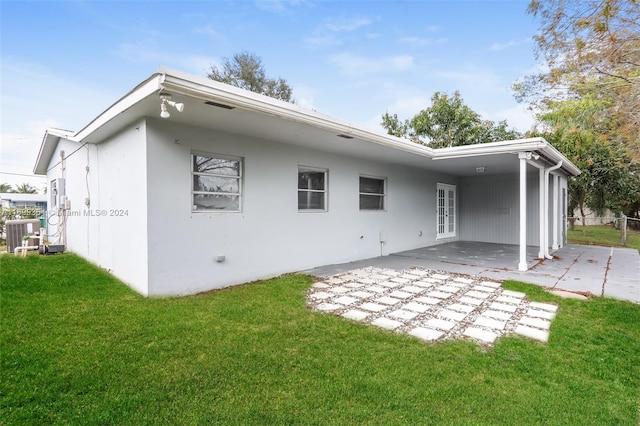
(166, 100)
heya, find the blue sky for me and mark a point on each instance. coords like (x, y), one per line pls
(63, 63)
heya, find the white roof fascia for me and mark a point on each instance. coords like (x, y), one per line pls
(207, 89)
(138, 93)
(504, 147)
(48, 147)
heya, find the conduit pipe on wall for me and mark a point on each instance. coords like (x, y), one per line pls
(548, 170)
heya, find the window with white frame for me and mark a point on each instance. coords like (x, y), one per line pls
(312, 189)
(216, 183)
(372, 193)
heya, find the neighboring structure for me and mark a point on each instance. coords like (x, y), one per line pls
(19, 200)
(239, 187)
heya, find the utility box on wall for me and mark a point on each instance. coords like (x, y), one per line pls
(16, 229)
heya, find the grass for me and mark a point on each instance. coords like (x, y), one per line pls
(79, 347)
(602, 235)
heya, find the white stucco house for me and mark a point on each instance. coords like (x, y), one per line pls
(239, 187)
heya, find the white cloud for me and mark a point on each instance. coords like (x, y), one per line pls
(342, 23)
(351, 64)
(421, 41)
(509, 44)
(282, 7)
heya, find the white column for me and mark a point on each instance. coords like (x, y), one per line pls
(556, 186)
(522, 265)
(541, 213)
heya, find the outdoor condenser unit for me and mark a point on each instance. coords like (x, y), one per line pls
(16, 229)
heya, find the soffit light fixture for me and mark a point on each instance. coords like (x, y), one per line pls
(481, 169)
(166, 100)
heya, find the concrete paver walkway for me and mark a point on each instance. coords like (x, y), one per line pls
(431, 305)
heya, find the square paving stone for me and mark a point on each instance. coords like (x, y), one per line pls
(321, 285)
(471, 300)
(386, 300)
(490, 323)
(356, 315)
(361, 294)
(483, 288)
(463, 280)
(540, 314)
(419, 272)
(340, 290)
(399, 280)
(511, 293)
(335, 281)
(428, 300)
(504, 316)
(490, 284)
(354, 285)
(373, 307)
(390, 273)
(422, 283)
(461, 308)
(503, 307)
(346, 300)
(416, 307)
(366, 281)
(321, 295)
(532, 333)
(387, 323)
(348, 277)
(430, 280)
(376, 289)
(535, 322)
(403, 315)
(440, 324)
(409, 276)
(480, 334)
(477, 294)
(411, 289)
(389, 284)
(448, 288)
(508, 299)
(452, 315)
(439, 294)
(544, 306)
(426, 333)
(400, 294)
(328, 307)
(440, 277)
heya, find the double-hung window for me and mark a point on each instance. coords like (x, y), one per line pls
(372, 193)
(216, 183)
(312, 189)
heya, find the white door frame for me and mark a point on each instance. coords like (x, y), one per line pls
(446, 211)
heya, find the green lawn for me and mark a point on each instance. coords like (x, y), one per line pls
(79, 347)
(602, 235)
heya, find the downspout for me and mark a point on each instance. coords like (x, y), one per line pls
(541, 194)
(546, 208)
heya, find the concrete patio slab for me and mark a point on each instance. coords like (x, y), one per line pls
(601, 271)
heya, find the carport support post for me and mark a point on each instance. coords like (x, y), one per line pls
(522, 265)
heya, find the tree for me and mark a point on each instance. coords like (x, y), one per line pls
(245, 70)
(448, 122)
(591, 49)
(5, 187)
(25, 188)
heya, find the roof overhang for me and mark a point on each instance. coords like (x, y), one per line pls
(221, 107)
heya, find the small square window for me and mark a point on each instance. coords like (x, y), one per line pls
(312, 189)
(216, 183)
(372, 193)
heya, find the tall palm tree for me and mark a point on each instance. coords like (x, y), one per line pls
(25, 188)
(5, 187)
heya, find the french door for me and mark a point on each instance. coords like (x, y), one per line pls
(446, 214)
